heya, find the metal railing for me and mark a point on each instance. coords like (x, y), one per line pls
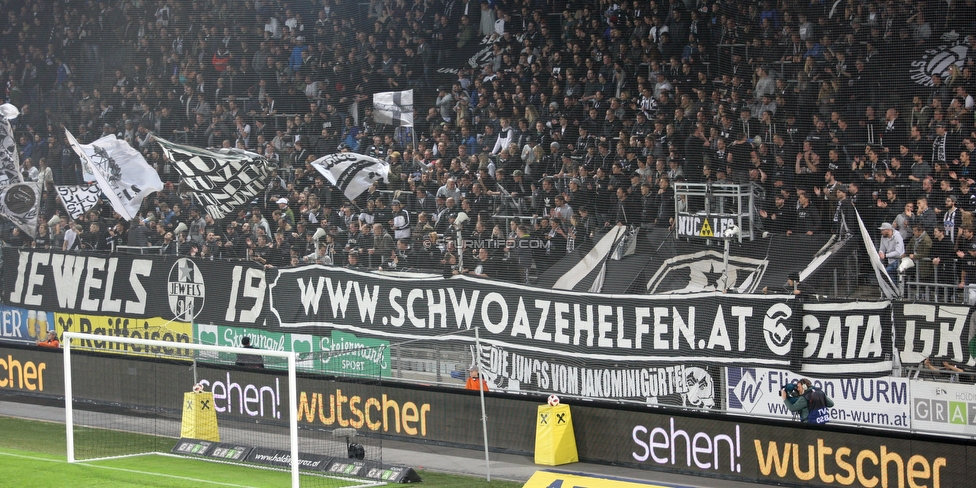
(725, 201)
(139, 249)
(941, 287)
(924, 373)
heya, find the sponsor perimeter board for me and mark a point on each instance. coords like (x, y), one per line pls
(770, 452)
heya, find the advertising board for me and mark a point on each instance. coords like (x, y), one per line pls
(154, 328)
(332, 352)
(766, 451)
(943, 407)
(28, 370)
(875, 402)
(24, 326)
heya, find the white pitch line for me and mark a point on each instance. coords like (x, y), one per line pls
(325, 475)
(368, 484)
(184, 478)
(31, 457)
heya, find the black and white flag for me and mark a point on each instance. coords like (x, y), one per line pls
(122, 173)
(885, 283)
(21, 203)
(593, 261)
(78, 199)
(223, 180)
(393, 108)
(352, 173)
(9, 157)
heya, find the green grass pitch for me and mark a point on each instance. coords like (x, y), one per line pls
(32, 454)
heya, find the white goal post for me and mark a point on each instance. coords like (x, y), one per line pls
(68, 337)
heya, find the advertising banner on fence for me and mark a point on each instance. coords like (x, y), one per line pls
(742, 449)
(334, 353)
(944, 407)
(939, 332)
(144, 328)
(26, 326)
(871, 402)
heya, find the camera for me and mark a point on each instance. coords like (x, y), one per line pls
(790, 389)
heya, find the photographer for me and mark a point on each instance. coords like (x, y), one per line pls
(809, 402)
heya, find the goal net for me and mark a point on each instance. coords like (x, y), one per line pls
(240, 407)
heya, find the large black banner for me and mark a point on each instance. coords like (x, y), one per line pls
(844, 338)
(136, 286)
(713, 328)
(936, 332)
(654, 348)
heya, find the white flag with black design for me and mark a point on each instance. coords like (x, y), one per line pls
(121, 172)
(9, 157)
(222, 180)
(393, 108)
(351, 172)
(78, 199)
(594, 260)
(21, 203)
(888, 288)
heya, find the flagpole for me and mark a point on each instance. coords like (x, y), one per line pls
(40, 208)
(413, 138)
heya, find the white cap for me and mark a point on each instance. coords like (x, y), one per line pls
(282, 201)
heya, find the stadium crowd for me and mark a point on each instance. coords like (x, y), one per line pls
(577, 116)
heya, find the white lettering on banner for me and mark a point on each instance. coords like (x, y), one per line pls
(685, 330)
(80, 276)
(934, 330)
(506, 368)
(840, 337)
(374, 355)
(645, 383)
(248, 399)
(879, 402)
(670, 446)
(248, 284)
(603, 326)
(285, 460)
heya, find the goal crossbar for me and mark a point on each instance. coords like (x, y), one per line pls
(67, 338)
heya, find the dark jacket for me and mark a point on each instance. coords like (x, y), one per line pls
(807, 219)
(813, 398)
